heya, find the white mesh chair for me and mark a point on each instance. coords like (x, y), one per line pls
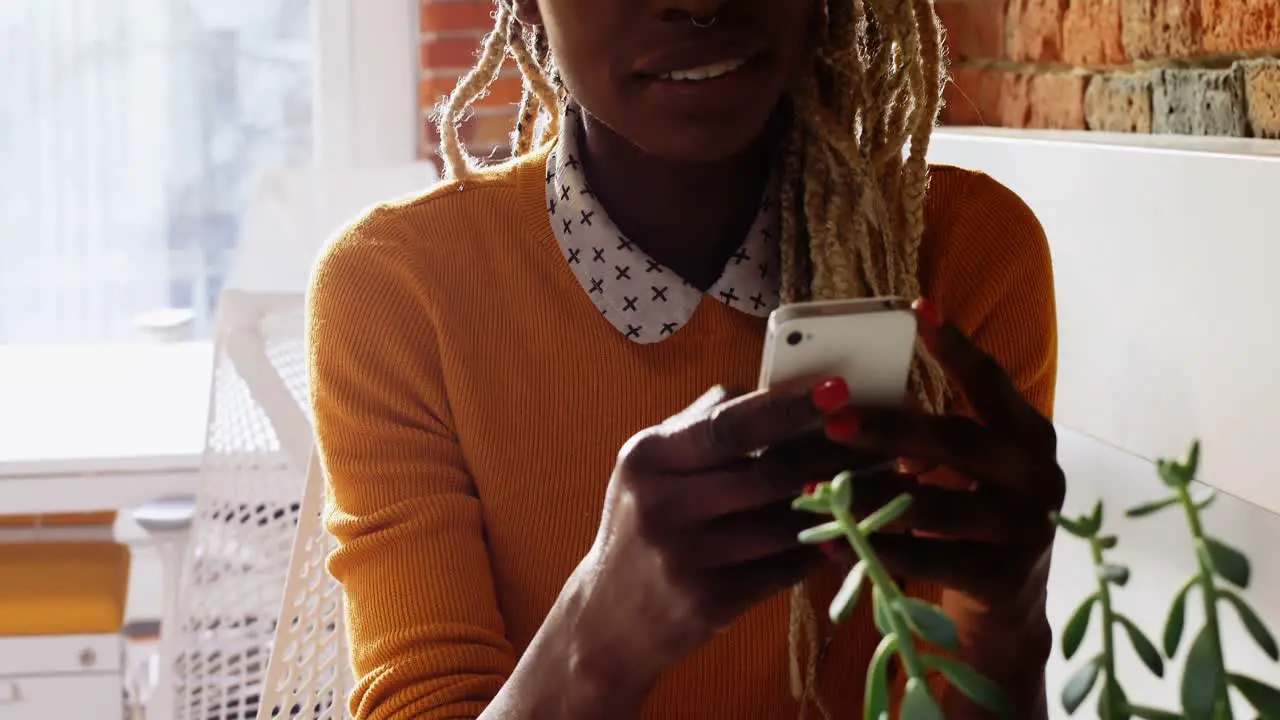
(224, 609)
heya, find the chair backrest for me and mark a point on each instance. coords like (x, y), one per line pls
(247, 506)
(310, 671)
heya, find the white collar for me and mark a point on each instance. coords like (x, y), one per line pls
(644, 300)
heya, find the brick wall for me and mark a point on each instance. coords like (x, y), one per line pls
(1201, 67)
(1183, 66)
(451, 34)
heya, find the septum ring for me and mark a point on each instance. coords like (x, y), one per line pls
(703, 24)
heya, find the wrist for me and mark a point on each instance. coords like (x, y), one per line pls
(1012, 653)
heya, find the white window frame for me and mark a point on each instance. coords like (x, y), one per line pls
(366, 107)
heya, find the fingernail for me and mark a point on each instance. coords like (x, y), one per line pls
(831, 395)
(928, 313)
(828, 548)
(809, 488)
(842, 427)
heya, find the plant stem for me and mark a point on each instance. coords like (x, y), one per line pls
(1108, 632)
(892, 593)
(1209, 594)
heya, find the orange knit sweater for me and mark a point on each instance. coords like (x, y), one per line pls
(470, 402)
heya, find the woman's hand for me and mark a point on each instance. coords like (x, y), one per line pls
(988, 538)
(980, 521)
(698, 527)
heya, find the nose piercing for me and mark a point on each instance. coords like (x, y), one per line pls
(703, 24)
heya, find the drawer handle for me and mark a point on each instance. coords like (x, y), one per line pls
(14, 695)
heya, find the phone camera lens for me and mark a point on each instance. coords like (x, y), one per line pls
(795, 338)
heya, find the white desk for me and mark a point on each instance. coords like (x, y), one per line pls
(87, 428)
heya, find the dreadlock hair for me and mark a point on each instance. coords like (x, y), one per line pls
(853, 177)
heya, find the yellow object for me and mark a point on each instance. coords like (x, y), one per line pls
(62, 588)
(470, 403)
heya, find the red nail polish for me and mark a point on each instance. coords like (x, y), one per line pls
(928, 313)
(828, 548)
(809, 488)
(831, 395)
(842, 427)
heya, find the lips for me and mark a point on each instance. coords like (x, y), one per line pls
(692, 61)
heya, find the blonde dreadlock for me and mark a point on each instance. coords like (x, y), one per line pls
(852, 205)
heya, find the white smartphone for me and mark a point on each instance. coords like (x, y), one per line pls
(870, 343)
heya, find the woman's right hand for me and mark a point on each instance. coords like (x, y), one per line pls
(698, 526)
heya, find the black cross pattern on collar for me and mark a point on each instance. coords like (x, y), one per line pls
(551, 207)
(572, 162)
(575, 256)
(629, 303)
(597, 254)
(624, 272)
(586, 192)
(741, 256)
(597, 286)
(564, 193)
(729, 297)
(624, 243)
(659, 293)
(586, 217)
(669, 327)
(764, 270)
(551, 176)
(568, 226)
(633, 331)
(654, 266)
(757, 301)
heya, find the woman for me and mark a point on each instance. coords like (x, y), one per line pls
(537, 518)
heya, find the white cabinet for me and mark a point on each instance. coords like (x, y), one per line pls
(62, 677)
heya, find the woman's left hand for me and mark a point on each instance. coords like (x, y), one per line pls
(989, 540)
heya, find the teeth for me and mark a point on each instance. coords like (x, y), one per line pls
(706, 72)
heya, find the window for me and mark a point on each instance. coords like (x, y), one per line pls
(131, 135)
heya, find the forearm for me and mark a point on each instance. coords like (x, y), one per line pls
(1013, 656)
(567, 673)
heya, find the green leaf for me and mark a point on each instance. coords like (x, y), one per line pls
(822, 533)
(879, 519)
(930, 623)
(1073, 526)
(1257, 629)
(1169, 473)
(1115, 574)
(880, 611)
(918, 703)
(1177, 618)
(876, 703)
(1108, 542)
(1092, 522)
(970, 682)
(1150, 713)
(1228, 562)
(1201, 678)
(1264, 698)
(842, 490)
(1192, 463)
(1080, 684)
(811, 503)
(1112, 688)
(1143, 646)
(1151, 508)
(847, 597)
(1077, 625)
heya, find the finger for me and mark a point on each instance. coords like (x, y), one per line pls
(779, 474)
(956, 514)
(741, 538)
(968, 566)
(985, 384)
(956, 441)
(743, 425)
